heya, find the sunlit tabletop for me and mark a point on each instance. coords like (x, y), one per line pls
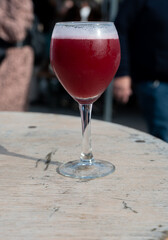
(38, 203)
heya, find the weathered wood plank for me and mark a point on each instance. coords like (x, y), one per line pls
(130, 204)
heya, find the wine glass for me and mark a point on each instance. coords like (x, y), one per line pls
(85, 57)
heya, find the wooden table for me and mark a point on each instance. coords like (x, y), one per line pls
(38, 203)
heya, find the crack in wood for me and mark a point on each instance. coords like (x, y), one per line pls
(56, 209)
(127, 207)
(47, 159)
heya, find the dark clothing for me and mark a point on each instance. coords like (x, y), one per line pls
(152, 97)
(46, 14)
(143, 31)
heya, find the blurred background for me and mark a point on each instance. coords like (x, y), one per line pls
(43, 92)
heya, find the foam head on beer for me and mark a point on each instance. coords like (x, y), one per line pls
(85, 31)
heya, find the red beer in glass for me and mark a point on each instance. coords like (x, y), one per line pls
(85, 67)
(85, 57)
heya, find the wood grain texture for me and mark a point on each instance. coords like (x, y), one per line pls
(38, 203)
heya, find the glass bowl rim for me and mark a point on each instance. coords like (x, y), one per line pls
(74, 23)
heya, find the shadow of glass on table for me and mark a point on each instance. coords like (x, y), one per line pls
(47, 159)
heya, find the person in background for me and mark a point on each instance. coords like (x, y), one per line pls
(90, 11)
(46, 13)
(69, 11)
(83, 10)
(16, 60)
(143, 31)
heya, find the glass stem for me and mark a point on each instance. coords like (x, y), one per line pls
(86, 154)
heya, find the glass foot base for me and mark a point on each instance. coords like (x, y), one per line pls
(86, 170)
